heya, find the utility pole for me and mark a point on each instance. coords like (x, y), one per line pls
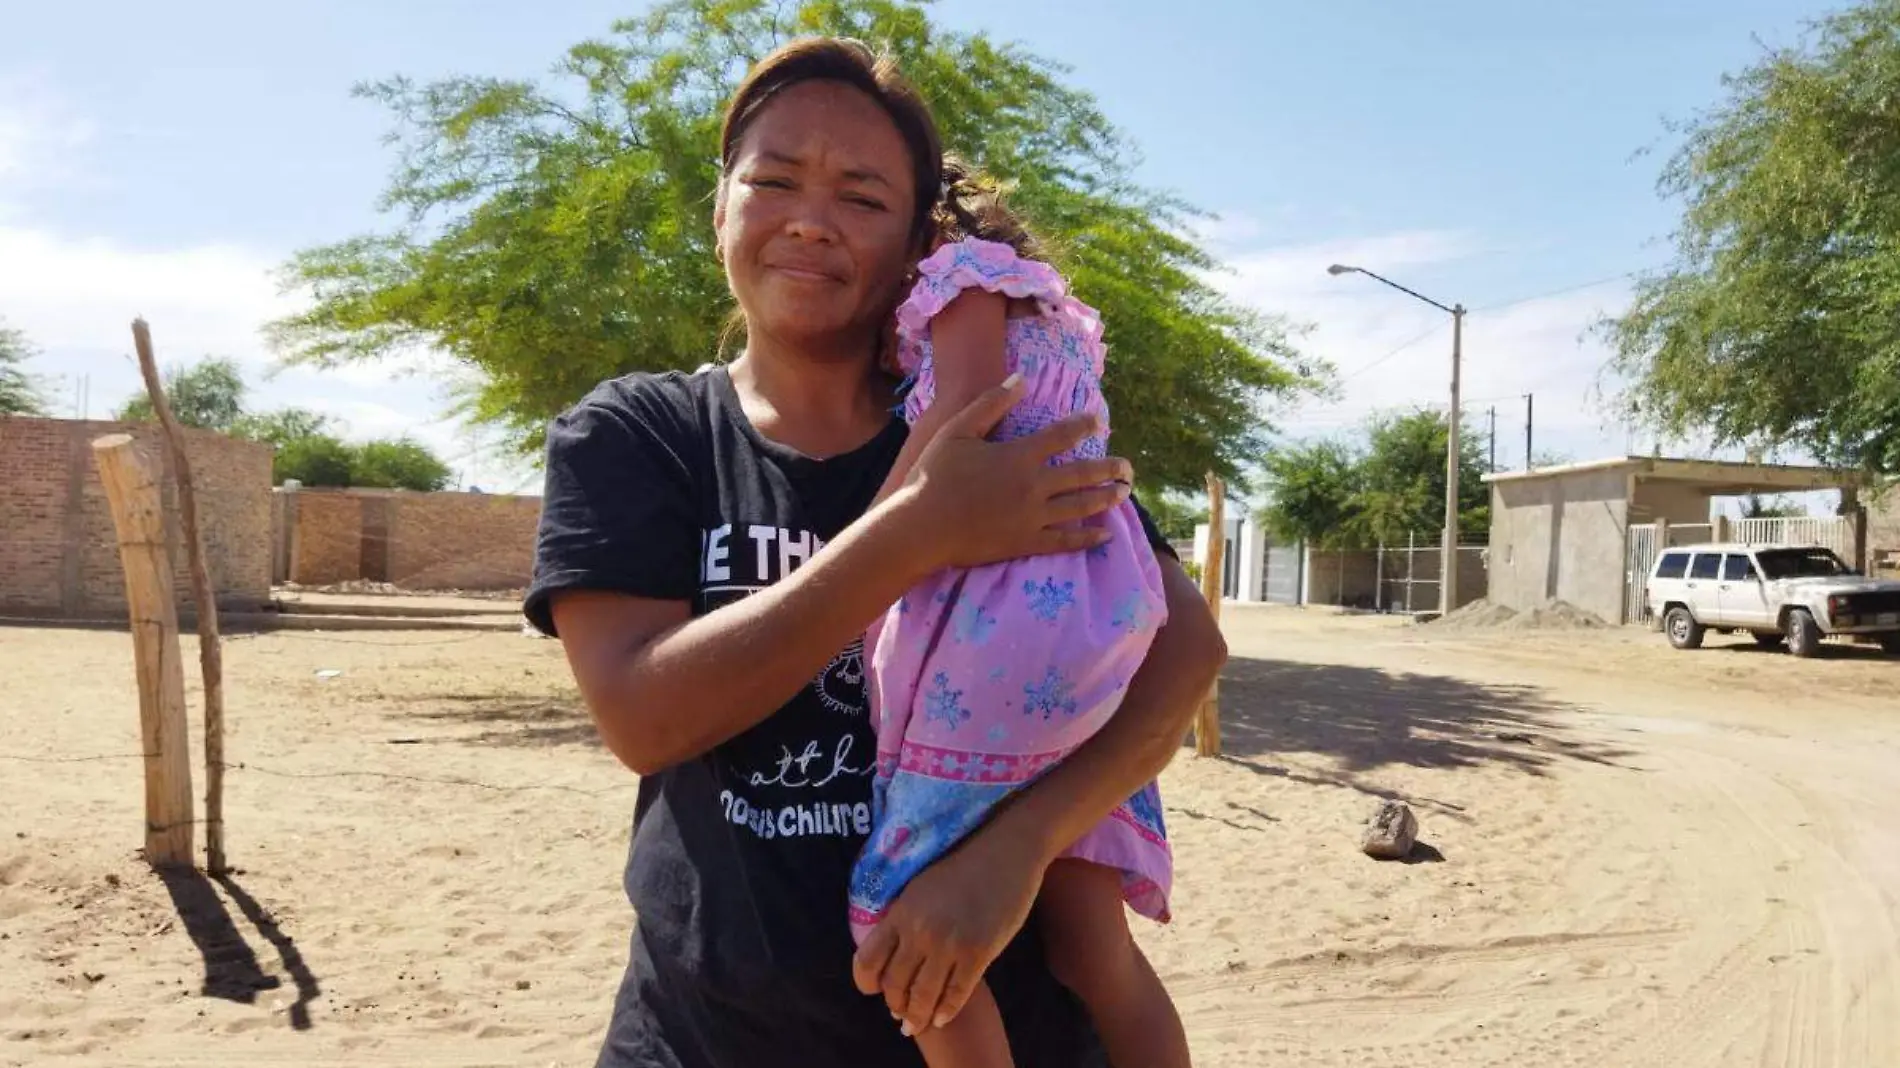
(1448, 560)
(1530, 400)
(1494, 439)
(1448, 566)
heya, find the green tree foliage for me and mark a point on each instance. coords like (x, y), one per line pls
(1755, 506)
(317, 459)
(553, 236)
(1403, 488)
(1335, 495)
(1313, 488)
(208, 394)
(280, 427)
(1779, 322)
(19, 391)
(1175, 517)
(399, 464)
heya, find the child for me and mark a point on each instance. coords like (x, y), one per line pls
(981, 679)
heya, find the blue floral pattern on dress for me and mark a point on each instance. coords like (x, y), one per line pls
(1047, 599)
(974, 623)
(943, 704)
(1049, 696)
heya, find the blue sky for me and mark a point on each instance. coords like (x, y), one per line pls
(160, 159)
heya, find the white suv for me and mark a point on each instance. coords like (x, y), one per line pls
(1796, 594)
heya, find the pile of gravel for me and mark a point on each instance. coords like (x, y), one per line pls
(1551, 615)
(1558, 615)
(1478, 615)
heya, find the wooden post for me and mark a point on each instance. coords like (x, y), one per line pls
(137, 514)
(1378, 580)
(1207, 721)
(1411, 558)
(210, 651)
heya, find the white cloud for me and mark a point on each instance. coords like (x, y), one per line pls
(75, 295)
(1392, 352)
(41, 138)
(83, 292)
(1300, 270)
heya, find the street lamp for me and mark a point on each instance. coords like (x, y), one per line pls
(1448, 560)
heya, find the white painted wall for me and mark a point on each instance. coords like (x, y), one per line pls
(1247, 547)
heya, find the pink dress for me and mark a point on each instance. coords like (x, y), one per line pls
(982, 679)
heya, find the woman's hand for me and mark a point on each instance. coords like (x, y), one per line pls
(970, 502)
(930, 950)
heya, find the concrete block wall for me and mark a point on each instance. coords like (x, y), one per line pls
(1883, 533)
(1346, 578)
(1564, 538)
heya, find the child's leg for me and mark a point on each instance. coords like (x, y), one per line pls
(975, 1039)
(1085, 929)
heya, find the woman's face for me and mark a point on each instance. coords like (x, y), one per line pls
(814, 221)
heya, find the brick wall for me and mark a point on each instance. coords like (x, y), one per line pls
(59, 551)
(327, 544)
(423, 541)
(462, 541)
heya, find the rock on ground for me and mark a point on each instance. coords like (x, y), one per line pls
(1391, 833)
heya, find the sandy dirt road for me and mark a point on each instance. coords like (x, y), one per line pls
(1633, 857)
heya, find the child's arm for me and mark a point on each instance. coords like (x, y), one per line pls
(967, 357)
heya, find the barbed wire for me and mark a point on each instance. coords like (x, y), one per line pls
(23, 759)
(328, 639)
(427, 780)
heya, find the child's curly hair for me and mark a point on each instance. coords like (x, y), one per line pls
(973, 205)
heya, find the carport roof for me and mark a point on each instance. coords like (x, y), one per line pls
(1718, 478)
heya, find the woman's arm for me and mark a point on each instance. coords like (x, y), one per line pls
(665, 687)
(967, 358)
(929, 951)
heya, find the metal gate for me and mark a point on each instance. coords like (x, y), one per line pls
(1639, 558)
(1833, 532)
(1230, 572)
(1283, 573)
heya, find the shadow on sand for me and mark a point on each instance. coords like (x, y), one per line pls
(231, 968)
(1365, 720)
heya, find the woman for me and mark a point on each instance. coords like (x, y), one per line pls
(673, 495)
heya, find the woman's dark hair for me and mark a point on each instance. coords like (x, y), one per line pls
(974, 206)
(840, 59)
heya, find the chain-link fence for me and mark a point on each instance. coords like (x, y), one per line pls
(1393, 578)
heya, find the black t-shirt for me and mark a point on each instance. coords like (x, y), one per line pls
(659, 486)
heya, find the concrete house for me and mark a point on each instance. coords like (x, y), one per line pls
(1587, 533)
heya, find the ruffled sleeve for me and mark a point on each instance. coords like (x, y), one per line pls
(975, 264)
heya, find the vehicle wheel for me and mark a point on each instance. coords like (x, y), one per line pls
(1890, 644)
(1804, 635)
(1770, 640)
(1683, 631)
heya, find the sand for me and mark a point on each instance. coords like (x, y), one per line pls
(1631, 856)
(1551, 615)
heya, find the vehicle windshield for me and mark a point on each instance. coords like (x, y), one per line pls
(1801, 563)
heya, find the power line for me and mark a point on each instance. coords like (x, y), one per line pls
(1558, 292)
(1495, 307)
(1435, 328)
